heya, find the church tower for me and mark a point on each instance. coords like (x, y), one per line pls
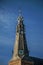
(21, 52)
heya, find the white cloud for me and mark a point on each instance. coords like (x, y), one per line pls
(7, 18)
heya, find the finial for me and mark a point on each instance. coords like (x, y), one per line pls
(20, 12)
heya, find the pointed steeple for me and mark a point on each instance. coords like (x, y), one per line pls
(20, 47)
(21, 53)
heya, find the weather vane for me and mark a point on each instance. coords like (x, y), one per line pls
(20, 12)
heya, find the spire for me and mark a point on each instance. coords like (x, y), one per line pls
(20, 47)
(20, 52)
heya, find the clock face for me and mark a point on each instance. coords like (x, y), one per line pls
(21, 52)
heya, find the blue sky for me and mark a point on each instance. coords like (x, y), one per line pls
(32, 11)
